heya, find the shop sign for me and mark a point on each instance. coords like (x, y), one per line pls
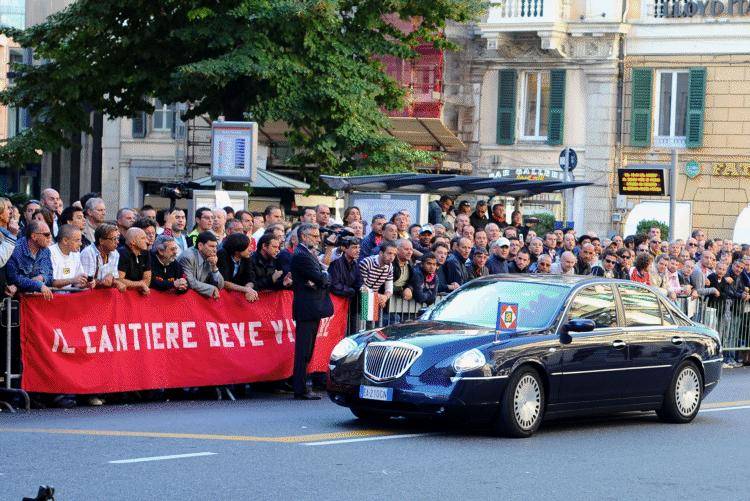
(641, 181)
(530, 174)
(692, 169)
(703, 8)
(731, 169)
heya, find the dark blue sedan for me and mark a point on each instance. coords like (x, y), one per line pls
(513, 350)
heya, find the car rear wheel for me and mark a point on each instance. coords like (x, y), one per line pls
(522, 405)
(683, 399)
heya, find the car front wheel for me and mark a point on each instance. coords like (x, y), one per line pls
(683, 399)
(522, 406)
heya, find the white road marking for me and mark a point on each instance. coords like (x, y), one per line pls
(369, 439)
(162, 458)
(719, 409)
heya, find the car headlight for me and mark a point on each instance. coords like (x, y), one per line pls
(469, 360)
(342, 349)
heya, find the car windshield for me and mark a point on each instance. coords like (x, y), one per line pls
(477, 303)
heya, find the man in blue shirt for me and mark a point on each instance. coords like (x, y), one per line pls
(30, 266)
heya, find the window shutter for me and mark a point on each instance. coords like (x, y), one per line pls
(556, 115)
(139, 124)
(640, 118)
(506, 107)
(696, 107)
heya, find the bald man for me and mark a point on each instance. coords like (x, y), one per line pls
(566, 265)
(51, 199)
(134, 266)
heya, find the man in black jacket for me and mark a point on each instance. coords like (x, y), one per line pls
(498, 262)
(166, 272)
(236, 267)
(455, 266)
(424, 280)
(267, 272)
(311, 303)
(345, 278)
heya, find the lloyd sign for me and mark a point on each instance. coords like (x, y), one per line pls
(703, 8)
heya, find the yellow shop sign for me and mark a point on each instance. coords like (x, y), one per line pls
(733, 169)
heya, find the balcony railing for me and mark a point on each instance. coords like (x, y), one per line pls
(527, 11)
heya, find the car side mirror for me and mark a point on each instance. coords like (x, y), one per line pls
(576, 325)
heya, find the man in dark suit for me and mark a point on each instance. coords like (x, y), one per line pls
(311, 303)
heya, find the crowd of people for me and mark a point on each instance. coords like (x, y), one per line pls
(46, 248)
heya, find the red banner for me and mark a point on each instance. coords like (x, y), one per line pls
(103, 341)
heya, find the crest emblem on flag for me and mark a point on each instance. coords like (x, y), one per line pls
(507, 317)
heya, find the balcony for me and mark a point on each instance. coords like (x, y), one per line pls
(546, 18)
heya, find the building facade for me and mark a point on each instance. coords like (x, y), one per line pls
(687, 86)
(624, 83)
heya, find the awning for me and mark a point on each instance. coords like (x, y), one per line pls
(421, 132)
(425, 132)
(448, 184)
(265, 179)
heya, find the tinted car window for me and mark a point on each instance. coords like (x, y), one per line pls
(596, 303)
(641, 306)
(477, 303)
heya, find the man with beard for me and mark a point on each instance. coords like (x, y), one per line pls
(521, 263)
(166, 272)
(267, 272)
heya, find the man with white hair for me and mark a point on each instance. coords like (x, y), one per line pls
(95, 212)
(220, 220)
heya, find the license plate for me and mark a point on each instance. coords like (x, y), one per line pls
(376, 393)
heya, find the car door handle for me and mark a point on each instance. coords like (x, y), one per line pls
(677, 340)
(618, 345)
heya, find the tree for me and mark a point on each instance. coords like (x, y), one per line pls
(645, 225)
(310, 63)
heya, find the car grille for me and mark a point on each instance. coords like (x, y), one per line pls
(389, 359)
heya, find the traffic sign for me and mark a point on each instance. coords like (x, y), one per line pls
(569, 158)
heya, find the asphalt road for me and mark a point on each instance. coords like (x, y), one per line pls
(271, 447)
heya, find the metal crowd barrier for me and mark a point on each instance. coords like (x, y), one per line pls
(730, 318)
(396, 311)
(9, 320)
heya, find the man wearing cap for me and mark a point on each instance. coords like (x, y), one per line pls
(479, 218)
(424, 242)
(477, 266)
(498, 262)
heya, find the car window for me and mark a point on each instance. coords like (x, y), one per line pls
(641, 306)
(477, 303)
(666, 316)
(596, 302)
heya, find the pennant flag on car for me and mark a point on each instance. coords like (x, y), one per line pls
(369, 301)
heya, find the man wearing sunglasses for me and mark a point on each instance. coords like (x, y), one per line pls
(30, 266)
(608, 267)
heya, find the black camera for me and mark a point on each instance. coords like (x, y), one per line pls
(174, 193)
(338, 230)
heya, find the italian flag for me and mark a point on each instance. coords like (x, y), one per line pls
(369, 302)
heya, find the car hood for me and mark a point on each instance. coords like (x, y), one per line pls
(429, 333)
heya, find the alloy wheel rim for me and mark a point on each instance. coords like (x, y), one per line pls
(687, 391)
(527, 402)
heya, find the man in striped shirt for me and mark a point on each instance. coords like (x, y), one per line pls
(377, 271)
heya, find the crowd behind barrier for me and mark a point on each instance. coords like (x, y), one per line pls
(385, 266)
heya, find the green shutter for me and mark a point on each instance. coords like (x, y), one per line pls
(556, 116)
(640, 117)
(506, 107)
(696, 107)
(139, 124)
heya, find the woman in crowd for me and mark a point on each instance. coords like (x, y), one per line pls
(640, 270)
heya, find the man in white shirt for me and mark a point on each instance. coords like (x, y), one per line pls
(272, 215)
(67, 271)
(100, 259)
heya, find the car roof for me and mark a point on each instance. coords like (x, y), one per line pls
(569, 281)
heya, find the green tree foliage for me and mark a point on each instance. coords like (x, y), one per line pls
(647, 224)
(546, 223)
(310, 63)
